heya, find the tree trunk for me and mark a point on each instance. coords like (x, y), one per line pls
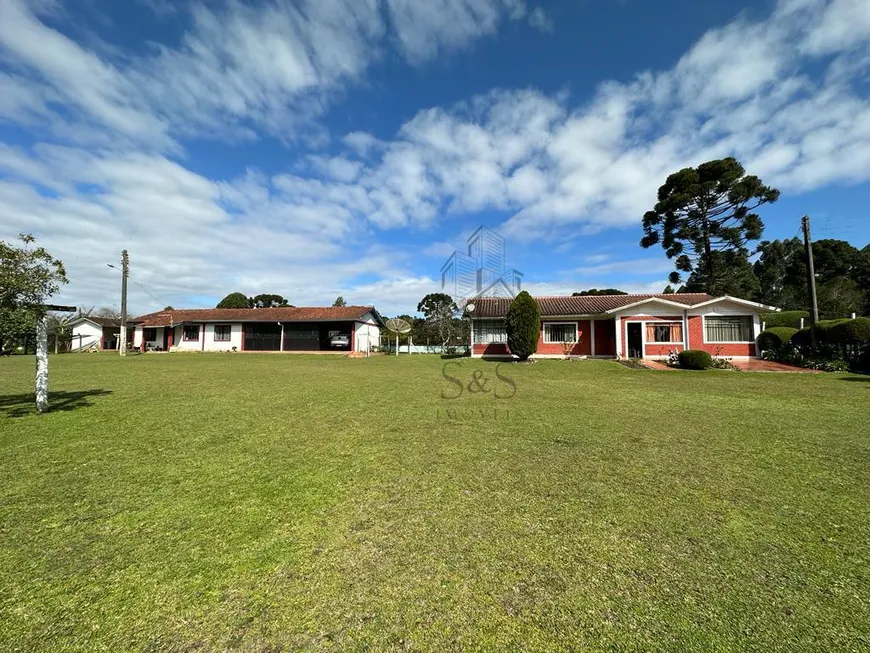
(42, 364)
(708, 256)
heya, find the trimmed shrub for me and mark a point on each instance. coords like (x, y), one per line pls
(775, 338)
(523, 325)
(784, 319)
(849, 332)
(801, 338)
(695, 359)
(862, 362)
(824, 329)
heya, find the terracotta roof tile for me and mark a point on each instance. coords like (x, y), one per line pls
(285, 314)
(100, 321)
(558, 306)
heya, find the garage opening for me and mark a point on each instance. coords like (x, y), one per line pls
(262, 337)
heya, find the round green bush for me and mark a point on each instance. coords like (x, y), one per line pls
(695, 359)
(775, 337)
(849, 332)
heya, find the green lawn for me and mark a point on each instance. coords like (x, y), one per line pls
(190, 502)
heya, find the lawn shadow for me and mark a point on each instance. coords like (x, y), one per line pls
(25, 404)
(865, 378)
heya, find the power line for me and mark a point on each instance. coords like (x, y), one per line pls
(145, 288)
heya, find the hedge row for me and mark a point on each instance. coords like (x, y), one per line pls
(834, 332)
(784, 319)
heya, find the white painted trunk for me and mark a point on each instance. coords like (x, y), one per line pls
(42, 364)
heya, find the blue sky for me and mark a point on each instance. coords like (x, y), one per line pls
(327, 147)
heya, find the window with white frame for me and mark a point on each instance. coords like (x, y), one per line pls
(737, 328)
(487, 332)
(191, 332)
(222, 332)
(664, 332)
(558, 332)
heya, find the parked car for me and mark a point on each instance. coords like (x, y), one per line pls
(340, 341)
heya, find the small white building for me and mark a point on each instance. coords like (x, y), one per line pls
(327, 328)
(89, 333)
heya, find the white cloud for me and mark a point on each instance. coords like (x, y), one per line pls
(843, 24)
(539, 19)
(741, 90)
(785, 95)
(439, 249)
(636, 267)
(92, 87)
(187, 235)
(338, 168)
(424, 30)
(238, 71)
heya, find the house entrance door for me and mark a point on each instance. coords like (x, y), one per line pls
(635, 340)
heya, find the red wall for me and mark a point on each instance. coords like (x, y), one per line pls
(605, 337)
(583, 346)
(696, 339)
(494, 349)
(605, 343)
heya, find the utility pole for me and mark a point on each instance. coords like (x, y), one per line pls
(811, 278)
(125, 271)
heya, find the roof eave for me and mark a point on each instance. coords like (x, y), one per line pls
(737, 300)
(649, 300)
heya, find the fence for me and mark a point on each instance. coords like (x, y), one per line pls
(389, 345)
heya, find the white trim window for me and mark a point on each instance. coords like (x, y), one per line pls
(664, 333)
(223, 332)
(560, 332)
(725, 329)
(487, 332)
(191, 332)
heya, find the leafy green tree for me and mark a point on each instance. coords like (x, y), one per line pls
(735, 275)
(339, 301)
(596, 292)
(29, 275)
(268, 301)
(705, 210)
(523, 325)
(234, 300)
(839, 298)
(862, 276)
(669, 290)
(782, 274)
(842, 280)
(438, 309)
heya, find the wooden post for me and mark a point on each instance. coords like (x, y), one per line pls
(811, 278)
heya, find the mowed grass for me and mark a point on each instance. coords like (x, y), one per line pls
(190, 502)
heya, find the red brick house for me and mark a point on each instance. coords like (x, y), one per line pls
(626, 326)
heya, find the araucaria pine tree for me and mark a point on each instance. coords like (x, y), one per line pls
(523, 323)
(704, 218)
